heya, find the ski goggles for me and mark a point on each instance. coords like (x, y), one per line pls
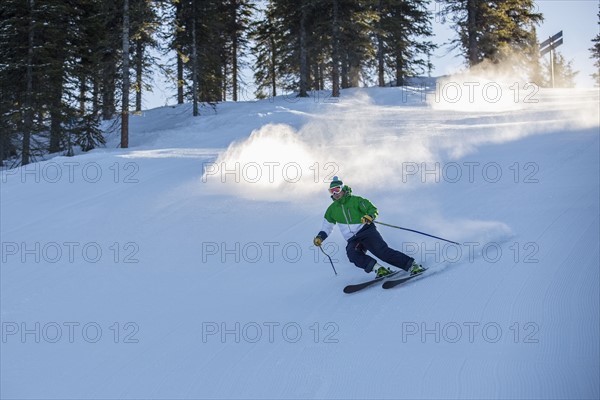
(335, 190)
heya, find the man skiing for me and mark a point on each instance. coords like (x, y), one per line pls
(355, 217)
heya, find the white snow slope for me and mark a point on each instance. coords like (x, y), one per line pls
(183, 267)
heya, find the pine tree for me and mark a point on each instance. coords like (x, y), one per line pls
(109, 48)
(237, 25)
(126, 27)
(68, 66)
(313, 44)
(596, 55)
(303, 33)
(201, 40)
(16, 75)
(284, 37)
(267, 40)
(403, 26)
(171, 34)
(492, 30)
(512, 31)
(60, 69)
(144, 26)
(335, 49)
(468, 18)
(357, 49)
(86, 71)
(38, 66)
(564, 74)
(536, 75)
(28, 104)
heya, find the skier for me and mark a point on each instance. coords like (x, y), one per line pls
(355, 217)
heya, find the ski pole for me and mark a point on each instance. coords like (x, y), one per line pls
(323, 251)
(412, 230)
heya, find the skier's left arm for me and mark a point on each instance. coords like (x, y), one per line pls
(368, 209)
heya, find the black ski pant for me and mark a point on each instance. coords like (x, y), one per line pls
(369, 239)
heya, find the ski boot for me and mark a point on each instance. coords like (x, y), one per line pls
(415, 269)
(382, 271)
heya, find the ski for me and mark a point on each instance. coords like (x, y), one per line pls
(395, 282)
(362, 285)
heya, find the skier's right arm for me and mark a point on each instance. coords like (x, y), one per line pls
(326, 229)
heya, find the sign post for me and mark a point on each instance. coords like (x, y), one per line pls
(548, 46)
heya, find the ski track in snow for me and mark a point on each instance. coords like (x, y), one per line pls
(542, 293)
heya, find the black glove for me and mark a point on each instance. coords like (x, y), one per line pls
(319, 238)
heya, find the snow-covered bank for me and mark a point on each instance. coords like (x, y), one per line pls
(183, 267)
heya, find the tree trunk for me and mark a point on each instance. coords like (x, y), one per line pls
(56, 119)
(345, 69)
(234, 72)
(108, 87)
(195, 111)
(380, 59)
(125, 89)
(354, 73)
(335, 72)
(6, 146)
(472, 16)
(399, 69)
(224, 82)
(55, 129)
(180, 79)
(95, 96)
(234, 51)
(303, 55)
(139, 69)
(108, 67)
(82, 94)
(28, 106)
(273, 67)
(380, 62)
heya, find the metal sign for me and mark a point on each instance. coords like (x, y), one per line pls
(551, 47)
(551, 39)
